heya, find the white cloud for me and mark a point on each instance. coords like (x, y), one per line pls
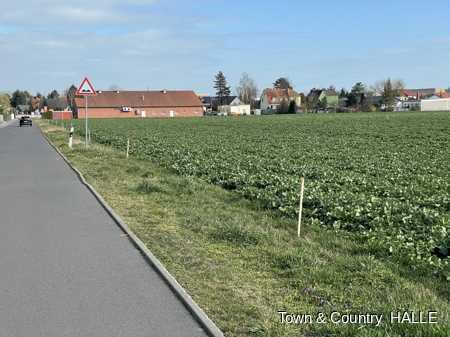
(79, 14)
(141, 2)
(42, 12)
(52, 44)
(55, 43)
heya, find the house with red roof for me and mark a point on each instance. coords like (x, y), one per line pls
(272, 98)
(139, 104)
(418, 94)
(445, 94)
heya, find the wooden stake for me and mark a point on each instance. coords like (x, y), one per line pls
(302, 188)
(128, 148)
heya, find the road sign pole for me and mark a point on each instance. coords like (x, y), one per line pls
(86, 89)
(86, 119)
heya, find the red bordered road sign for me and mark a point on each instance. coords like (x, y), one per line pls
(86, 88)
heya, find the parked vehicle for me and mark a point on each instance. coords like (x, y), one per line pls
(25, 120)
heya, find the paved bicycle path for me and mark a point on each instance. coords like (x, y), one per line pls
(66, 269)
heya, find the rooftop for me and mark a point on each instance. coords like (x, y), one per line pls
(140, 99)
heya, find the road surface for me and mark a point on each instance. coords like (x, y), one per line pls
(66, 269)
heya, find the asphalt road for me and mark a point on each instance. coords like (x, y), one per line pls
(66, 269)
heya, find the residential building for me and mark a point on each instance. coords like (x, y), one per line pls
(318, 97)
(418, 94)
(212, 103)
(406, 105)
(331, 96)
(36, 103)
(135, 104)
(235, 108)
(272, 99)
(445, 94)
(377, 101)
(435, 104)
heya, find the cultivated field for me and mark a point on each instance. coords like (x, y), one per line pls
(240, 259)
(385, 176)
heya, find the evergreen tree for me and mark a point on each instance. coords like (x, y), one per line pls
(356, 96)
(282, 83)
(222, 89)
(20, 98)
(359, 88)
(389, 95)
(332, 88)
(71, 93)
(53, 94)
(292, 107)
(322, 104)
(367, 105)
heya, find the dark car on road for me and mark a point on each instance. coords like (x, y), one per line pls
(25, 120)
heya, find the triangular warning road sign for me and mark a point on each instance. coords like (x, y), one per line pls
(86, 88)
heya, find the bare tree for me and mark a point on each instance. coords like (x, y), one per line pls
(378, 87)
(247, 89)
(396, 85)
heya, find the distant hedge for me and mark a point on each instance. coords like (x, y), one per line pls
(47, 115)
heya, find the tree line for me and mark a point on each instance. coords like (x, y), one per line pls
(359, 98)
(246, 91)
(24, 101)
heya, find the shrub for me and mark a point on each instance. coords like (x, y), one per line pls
(47, 115)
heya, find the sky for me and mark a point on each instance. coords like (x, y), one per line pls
(181, 44)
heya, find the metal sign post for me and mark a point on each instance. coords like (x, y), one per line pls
(86, 89)
(86, 120)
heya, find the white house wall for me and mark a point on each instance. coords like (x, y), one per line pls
(264, 103)
(240, 109)
(435, 104)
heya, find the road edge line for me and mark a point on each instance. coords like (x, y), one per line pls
(200, 316)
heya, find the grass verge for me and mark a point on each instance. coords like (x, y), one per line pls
(243, 265)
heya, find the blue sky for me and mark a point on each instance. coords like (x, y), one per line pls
(175, 44)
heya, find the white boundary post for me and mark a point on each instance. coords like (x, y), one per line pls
(71, 137)
(128, 148)
(302, 188)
